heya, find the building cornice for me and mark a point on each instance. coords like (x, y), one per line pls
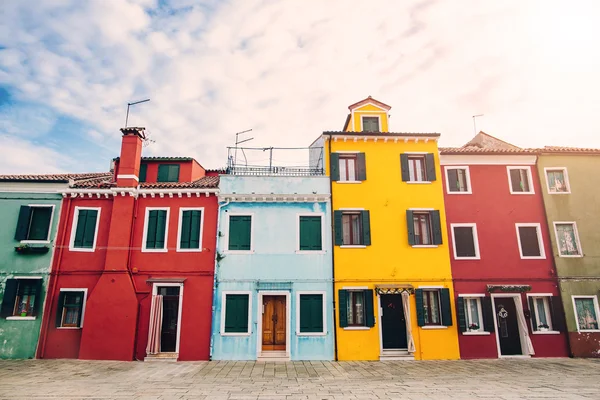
(274, 198)
(488, 159)
(136, 192)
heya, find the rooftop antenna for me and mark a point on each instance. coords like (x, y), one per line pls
(132, 104)
(475, 123)
(237, 141)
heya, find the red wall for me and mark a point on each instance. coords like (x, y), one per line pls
(189, 171)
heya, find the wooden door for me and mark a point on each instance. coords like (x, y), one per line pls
(508, 327)
(274, 323)
(393, 323)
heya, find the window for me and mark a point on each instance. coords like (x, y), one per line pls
(143, 172)
(21, 298)
(567, 239)
(370, 124)
(240, 232)
(519, 179)
(540, 309)
(466, 243)
(458, 180)
(235, 315)
(190, 229)
(530, 241)
(352, 228)
(71, 306)
(168, 173)
(586, 311)
(85, 229)
(156, 229)
(310, 233)
(433, 307)
(34, 223)
(557, 180)
(424, 228)
(473, 315)
(311, 315)
(356, 308)
(348, 167)
(348, 170)
(417, 167)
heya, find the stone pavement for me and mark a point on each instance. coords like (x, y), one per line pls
(482, 379)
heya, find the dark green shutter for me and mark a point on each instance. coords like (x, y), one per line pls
(419, 303)
(343, 307)
(151, 233)
(310, 233)
(460, 313)
(334, 166)
(369, 311)
(59, 308)
(173, 173)
(186, 223)
(453, 184)
(488, 314)
(81, 294)
(532, 314)
(240, 230)
(40, 223)
(168, 173)
(161, 225)
(362, 166)
(163, 173)
(404, 167)
(143, 172)
(366, 227)
(37, 292)
(23, 223)
(337, 228)
(557, 314)
(236, 313)
(90, 228)
(410, 225)
(311, 313)
(9, 297)
(80, 228)
(436, 226)
(430, 165)
(446, 307)
(196, 219)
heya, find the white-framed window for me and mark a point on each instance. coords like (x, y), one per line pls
(520, 180)
(191, 227)
(417, 168)
(348, 163)
(240, 232)
(458, 180)
(236, 313)
(557, 180)
(370, 123)
(22, 298)
(432, 308)
(70, 310)
(586, 313)
(35, 223)
(473, 314)
(540, 308)
(465, 241)
(156, 230)
(311, 313)
(309, 232)
(356, 308)
(529, 238)
(567, 239)
(84, 230)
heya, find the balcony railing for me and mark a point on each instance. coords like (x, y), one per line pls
(275, 161)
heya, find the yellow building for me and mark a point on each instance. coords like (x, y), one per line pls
(393, 286)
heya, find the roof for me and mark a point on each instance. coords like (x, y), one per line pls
(567, 150)
(382, 134)
(369, 100)
(206, 182)
(482, 139)
(479, 150)
(56, 178)
(162, 158)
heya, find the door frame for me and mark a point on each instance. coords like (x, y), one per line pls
(521, 335)
(259, 319)
(155, 286)
(380, 322)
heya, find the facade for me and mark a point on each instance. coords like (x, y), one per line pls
(133, 274)
(571, 192)
(273, 286)
(392, 275)
(505, 282)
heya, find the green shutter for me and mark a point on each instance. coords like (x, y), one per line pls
(236, 313)
(40, 223)
(557, 314)
(168, 173)
(453, 184)
(460, 313)
(532, 314)
(163, 173)
(404, 167)
(436, 226)
(337, 228)
(334, 166)
(37, 292)
(59, 308)
(488, 314)
(161, 226)
(369, 312)
(151, 229)
(143, 172)
(410, 224)
(366, 227)
(446, 307)
(9, 297)
(343, 307)
(186, 223)
(240, 230)
(310, 233)
(23, 223)
(196, 219)
(362, 166)
(311, 313)
(173, 173)
(80, 228)
(89, 232)
(430, 165)
(419, 302)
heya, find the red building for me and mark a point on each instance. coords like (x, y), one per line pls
(508, 302)
(132, 275)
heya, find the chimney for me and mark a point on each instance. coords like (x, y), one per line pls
(131, 154)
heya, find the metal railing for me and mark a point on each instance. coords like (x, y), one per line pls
(275, 161)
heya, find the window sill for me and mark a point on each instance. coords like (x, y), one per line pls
(348, 182)
(459, 192)
(310, 251)
(424, 246)
(581, 330)
(434, 327)
(238, 252)
(467, 258)
(189, 250)
(17, 318)
(476, 333)
(312, 333)
(419, 182)
(546, 332)
(522, 192)
(82, 249)
(35, 242)
(353, 246)
(235, 334)
(356, 328)
(559, 192)
(570, 256)
(69, 327)
(155, 250)
(534, 258)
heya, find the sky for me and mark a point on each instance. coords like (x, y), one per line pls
(288, 70)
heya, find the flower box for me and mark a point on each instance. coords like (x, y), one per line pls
(26, 249)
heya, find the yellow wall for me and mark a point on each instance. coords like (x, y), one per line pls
(368, 110)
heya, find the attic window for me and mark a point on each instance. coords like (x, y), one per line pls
(370, 124)
(168, 173)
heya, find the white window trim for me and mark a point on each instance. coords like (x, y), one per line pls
(155, 287)
(370, 116)
(424, 246)
(323, 233)
(49, 227)
(529, 178)
(357, 327)
(565, 174)
(418, 153)
(144, 236)
(223, 312)
(181, 210)
(85, 291)
(576, 237)
(323, 294)
(18, 317)
(467, 177)
(352, 246)
(597, 309)
(538, 227)
(226, 237)
(74, 229)
(355, 156)
(548, 313)
(348, 182)
(439, 290)
(468, 315)
(475, 240)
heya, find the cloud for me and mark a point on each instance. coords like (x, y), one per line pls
(19, 156)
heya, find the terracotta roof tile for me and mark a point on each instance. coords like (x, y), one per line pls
(369, 100)
(567, 150)
(383, 134)
(207, 182)
(480, 150)
(54, 177)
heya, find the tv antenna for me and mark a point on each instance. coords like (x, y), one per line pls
(238, 141)
(475, 123)
(133, 104)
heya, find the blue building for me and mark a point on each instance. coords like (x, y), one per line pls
(273, 280)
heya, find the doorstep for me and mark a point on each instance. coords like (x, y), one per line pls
(277, 356)
(395, 355)
(162, 357)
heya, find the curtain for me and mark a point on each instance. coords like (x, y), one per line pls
(155, 326)
(523, 326)
(409, 338)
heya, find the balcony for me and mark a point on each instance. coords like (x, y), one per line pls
(275, 161)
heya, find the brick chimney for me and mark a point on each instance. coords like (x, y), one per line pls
(131, 153)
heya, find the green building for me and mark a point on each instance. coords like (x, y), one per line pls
(571, 192)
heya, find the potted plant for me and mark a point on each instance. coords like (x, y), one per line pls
(543, 327)
(473, 327)
(25, 248)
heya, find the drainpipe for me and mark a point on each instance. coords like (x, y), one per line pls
(214, 305)
(335, 346)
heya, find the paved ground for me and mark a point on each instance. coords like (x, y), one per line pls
(482, 379)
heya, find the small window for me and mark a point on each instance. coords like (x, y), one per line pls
(34, 223)
(85, 228)
(530, 241)
(431, 307)
(473, 315)
(567, 239)
(466, 245)
(70, 308)
(311, 313)
(21, 298)
(541, 313)
(424, 228)
(310, 234)
(557, 180)
(240, 232)
(352, 228)
(190, 229)
(348, 167)
(156, 230)
(418, 167)
(458, 180)
(370, 124)
(143, 172)
(356, 308)
(235, 320)
(586, 310)
(520, 180)
(168, 173)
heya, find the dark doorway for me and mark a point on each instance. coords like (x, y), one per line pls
(508, 327)
(393, 324)
(170, 317)
(273, 323)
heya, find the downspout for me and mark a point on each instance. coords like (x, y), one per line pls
(335, 322)
(214, 297)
